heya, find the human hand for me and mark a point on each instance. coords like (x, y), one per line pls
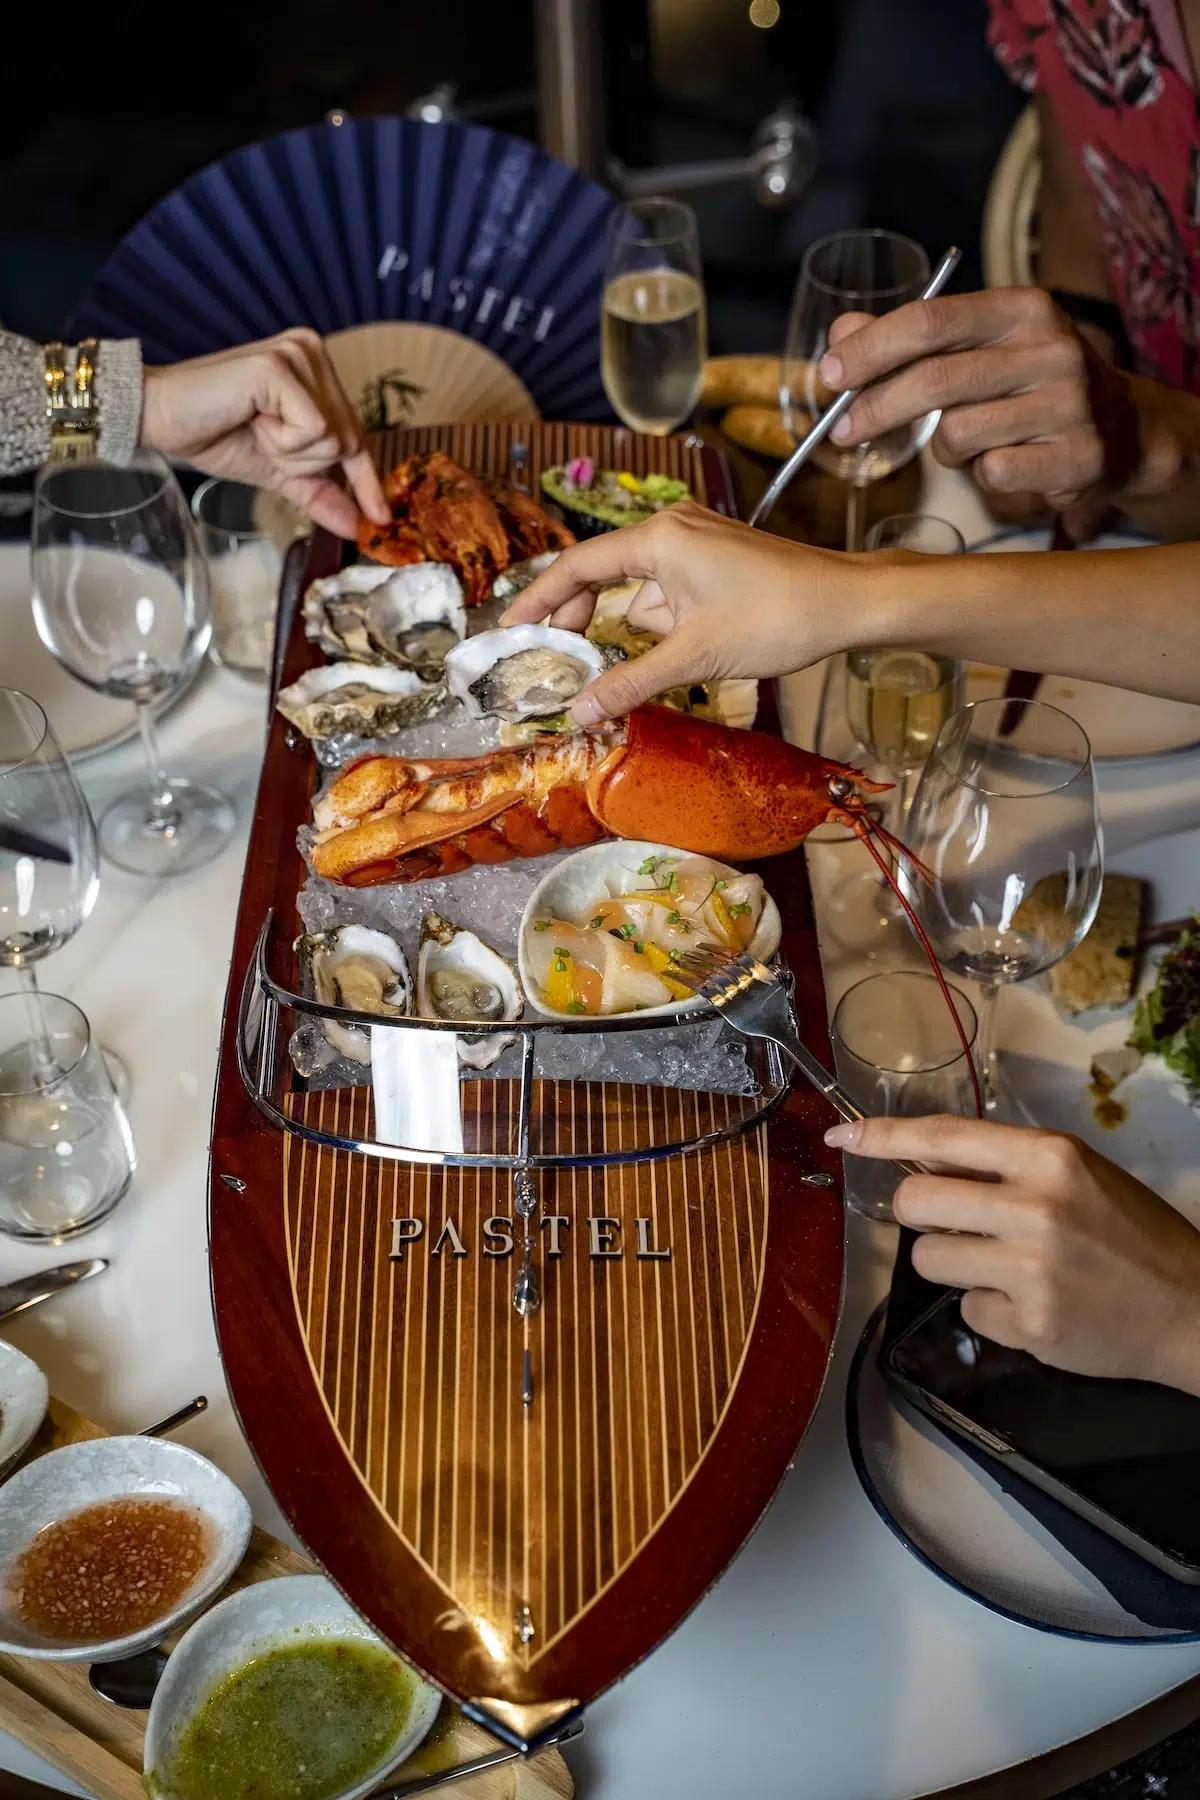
(724, 599)
(1026, 402)
(1059, 1252)
(272, 414)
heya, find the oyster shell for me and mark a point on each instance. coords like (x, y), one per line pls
(461, 978)
(362, 969)
(525, 672)
(409, 616)
(364, 699)
(517, 577)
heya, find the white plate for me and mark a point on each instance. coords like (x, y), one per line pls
(290, 1609)
(24, 1394)
(108, 1468)
(84, 722)
(965, 1528)
(1120, 724)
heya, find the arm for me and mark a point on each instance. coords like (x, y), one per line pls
(727, 600)
(1058, 1251)
(272, 414)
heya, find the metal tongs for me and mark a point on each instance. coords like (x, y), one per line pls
(756, 1001)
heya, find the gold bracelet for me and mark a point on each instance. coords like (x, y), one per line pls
(71, 409)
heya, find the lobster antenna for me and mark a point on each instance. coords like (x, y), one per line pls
(938, 976)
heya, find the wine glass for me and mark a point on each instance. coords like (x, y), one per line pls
(1007, 828)
(653, 331)
(861, 272)
(121, 599)
(49, 863)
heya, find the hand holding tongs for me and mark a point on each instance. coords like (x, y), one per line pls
(755, 1002)
(829, 418)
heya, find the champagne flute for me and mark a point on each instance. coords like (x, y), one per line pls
(121, 599)
(896, 700)
(49, 864)
(861, 272)
(1008, 829)
(653, 330)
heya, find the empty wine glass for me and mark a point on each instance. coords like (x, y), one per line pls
(49, 862)
(653, 332)
(49, 865)
(121, 599)
(1008, 832)
(861, 272)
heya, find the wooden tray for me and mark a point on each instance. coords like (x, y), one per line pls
(52, 1709)
(382, 1396)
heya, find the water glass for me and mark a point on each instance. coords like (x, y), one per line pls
(66, 1150)
(897, 1053)
(244, 567)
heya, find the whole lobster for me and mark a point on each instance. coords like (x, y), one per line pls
(735, 795)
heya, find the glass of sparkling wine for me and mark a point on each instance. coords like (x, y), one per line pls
(653, 328)
(896, 701)
(851, 272)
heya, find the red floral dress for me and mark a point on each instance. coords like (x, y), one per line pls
(1119, 78)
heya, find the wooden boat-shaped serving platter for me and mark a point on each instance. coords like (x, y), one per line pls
(524, 1506)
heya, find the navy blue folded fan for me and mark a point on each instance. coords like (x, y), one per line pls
(342, 225)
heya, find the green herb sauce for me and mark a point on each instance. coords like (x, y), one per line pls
(304, 1722)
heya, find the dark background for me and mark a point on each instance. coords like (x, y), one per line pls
(113, 113)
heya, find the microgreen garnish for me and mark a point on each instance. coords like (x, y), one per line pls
(719, 887)
(674, 918)
(596, 922)
(559, 951)
(541, 924)
(640, 948)
(649, 866)
(622, 931)
(576, 1006)
(740, 909)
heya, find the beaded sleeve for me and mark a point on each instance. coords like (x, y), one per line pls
(24, 427)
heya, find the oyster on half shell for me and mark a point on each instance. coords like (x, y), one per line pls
(525, 672)
(461, 979)
(409, 616)
(369, 700)
(355, 967)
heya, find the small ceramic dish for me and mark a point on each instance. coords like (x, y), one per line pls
(289, 1610)
(24, 1395)
(111, 1468)
(602, 872)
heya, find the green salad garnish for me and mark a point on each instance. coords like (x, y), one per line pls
(1167, 1021)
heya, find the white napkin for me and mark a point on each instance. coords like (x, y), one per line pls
(414, 1075)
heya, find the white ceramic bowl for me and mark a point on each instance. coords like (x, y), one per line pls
(292, 1609)
(80, 1475)
(581, 880)
(24, 1394)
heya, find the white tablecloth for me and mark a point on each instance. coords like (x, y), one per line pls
(827, 1662)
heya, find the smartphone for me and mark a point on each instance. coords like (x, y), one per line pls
(1124, 1455)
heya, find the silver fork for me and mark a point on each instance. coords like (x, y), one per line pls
(756, 1001)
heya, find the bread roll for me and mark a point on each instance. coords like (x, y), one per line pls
(741, 380)
(759, 428)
